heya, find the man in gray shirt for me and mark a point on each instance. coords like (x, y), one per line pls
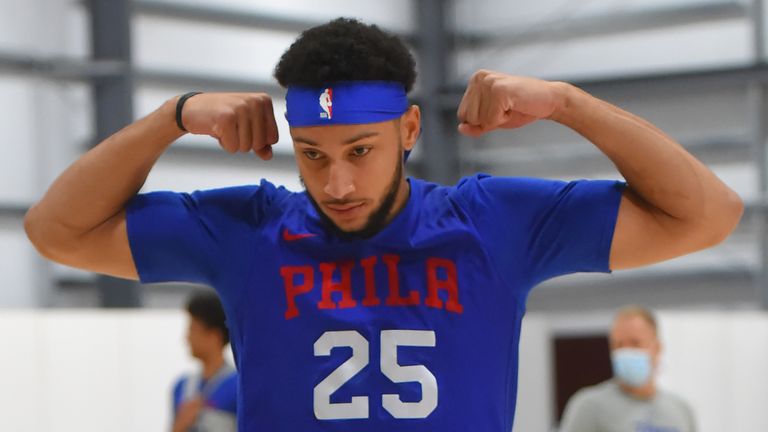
(630, 402)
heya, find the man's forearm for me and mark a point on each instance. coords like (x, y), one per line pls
(81, 220)
(101, 182)
(657, 168)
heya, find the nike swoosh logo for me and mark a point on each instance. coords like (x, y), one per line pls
(289, 236)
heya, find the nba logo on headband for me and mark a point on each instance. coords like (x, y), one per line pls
(326, 103)
(357, 102)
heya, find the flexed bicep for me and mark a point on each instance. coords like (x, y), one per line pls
(646, 235)
(104, 249)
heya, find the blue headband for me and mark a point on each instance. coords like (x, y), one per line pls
(345, 102)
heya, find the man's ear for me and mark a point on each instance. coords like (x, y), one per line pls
(657, 353)
(410, 127)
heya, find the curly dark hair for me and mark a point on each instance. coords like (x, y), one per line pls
(205, 306)
(345, 50)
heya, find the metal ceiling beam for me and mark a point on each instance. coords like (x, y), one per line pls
(180, 80)
(605, 24)
(214, 155)
(576, 158)
(692, 80)
(69, 69)
(81, 70)
(714, 287)
(59, 68)
(661, 82)
(12, 211)
(219, 15)
(231, 17)
(724, 288)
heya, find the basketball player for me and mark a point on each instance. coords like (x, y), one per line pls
(372, 301)
(206, 401)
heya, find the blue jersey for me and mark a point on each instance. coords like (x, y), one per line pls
(219, 393)
(413, 329)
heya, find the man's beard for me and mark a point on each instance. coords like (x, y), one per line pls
(376, 221)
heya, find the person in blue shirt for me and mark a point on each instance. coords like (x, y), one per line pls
(206, 401)
(371, 301)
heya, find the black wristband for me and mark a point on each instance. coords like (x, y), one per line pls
(180, 106)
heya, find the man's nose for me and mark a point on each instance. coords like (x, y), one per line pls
(340, 182)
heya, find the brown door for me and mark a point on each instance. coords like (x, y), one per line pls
(580, 361)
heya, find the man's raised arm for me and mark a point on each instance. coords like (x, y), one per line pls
(80, 221)
(673, 204)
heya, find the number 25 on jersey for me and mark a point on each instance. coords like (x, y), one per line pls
(357, 408)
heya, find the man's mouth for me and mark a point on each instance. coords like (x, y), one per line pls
(344, 209)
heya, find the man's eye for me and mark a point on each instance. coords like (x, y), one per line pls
(312, 155)
(360, 151)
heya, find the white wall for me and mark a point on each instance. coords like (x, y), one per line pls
(534, 385)
(706, 44)
(17, 150)
(18, 284)
(87, 370)
(499, 16)
(717, 361)
(393, 14)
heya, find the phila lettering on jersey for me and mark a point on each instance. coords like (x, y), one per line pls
(336, 277)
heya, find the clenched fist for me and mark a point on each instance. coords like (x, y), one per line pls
(494, 100)
(239, 121)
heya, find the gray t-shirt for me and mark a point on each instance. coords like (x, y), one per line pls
(605, 408)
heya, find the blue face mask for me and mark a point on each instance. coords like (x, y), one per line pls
(631, 366)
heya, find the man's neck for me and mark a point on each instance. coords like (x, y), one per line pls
(212, 364)
(401, 199)
(647, 391)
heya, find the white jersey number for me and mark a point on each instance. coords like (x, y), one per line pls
(357, 408)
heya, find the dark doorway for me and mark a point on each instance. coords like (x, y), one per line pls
(580, 361)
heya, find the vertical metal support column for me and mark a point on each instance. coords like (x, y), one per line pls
(441, 155)
(758, 94)
(758, 99)
(113, 109)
